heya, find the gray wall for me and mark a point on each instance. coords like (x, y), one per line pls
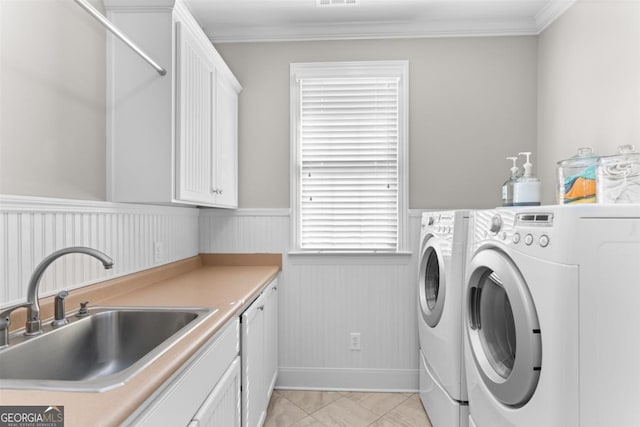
(472, 102)
(588, 83)
(52, 100)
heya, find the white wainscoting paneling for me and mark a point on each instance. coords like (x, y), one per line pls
(324, 298)
(32, 228)
(244, 231)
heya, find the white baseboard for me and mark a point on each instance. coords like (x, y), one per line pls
(394, 380)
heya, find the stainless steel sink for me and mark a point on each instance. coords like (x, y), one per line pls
(98, 352)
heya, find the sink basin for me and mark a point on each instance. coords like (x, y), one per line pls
(98, 352)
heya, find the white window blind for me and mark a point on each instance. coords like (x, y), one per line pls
(349, 131)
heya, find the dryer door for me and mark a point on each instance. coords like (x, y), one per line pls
(432, 281)
(502, 328)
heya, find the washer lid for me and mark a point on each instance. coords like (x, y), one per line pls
(432, 282)
(502, 328)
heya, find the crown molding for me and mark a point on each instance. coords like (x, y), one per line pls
(550, 12)
(371, 30)
(522, 26)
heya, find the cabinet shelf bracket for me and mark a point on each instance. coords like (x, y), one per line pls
(116, 31)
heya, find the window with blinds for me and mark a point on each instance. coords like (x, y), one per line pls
(349, 138)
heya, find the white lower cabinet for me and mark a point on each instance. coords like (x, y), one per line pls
(206, 389)
(222, 407)
(259, 355)
(229, 381)
(254, 409)
(271, 337)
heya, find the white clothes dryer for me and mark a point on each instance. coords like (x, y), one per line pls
(550, 302)
(606, 245)
(521, 323)
(440, 289)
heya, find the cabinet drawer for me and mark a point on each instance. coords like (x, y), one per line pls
(222, 407)
(181, 397)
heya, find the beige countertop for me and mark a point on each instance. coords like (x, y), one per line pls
(196, 282)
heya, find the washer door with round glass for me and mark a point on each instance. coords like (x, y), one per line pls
(432, 281)
(503, 329)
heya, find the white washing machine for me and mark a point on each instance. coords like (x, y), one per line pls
(551, 317)
(440, 289)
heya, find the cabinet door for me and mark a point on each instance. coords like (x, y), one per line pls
(271, 337)
(195, 119)
(222, 407)
(226, 165)
(254, 404)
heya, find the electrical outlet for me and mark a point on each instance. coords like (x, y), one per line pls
(354, 343)
(158, 252)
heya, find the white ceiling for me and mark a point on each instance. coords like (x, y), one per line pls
(270, 20)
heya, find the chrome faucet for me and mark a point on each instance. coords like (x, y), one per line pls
(5, 322)
(34, 325)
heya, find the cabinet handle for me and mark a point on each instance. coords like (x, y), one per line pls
(261, 308)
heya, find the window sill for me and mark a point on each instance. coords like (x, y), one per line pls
(326, 257)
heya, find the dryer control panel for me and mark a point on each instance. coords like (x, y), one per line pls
(440, 223)
(517, 228)
(533, 224)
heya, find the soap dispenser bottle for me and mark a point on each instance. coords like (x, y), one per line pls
(526, 190)
(507, 187)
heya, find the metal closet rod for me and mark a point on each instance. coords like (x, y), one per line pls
(116, 31)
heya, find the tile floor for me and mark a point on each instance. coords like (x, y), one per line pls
(300, 408)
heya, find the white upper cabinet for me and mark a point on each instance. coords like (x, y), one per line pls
(226, 164)
(195, 119)
(172, 138)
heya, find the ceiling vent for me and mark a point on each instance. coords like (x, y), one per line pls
(331, 3)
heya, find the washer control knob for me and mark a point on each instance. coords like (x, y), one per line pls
(430, 220)
(516, 238)
(544, 240)
(528, 239)
(496, 224)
